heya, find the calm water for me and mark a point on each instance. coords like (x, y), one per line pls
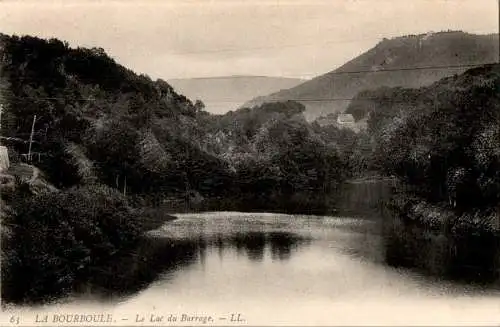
(278, 269)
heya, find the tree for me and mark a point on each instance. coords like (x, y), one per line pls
(199, 106)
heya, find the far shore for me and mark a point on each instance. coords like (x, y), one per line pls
(153, 218)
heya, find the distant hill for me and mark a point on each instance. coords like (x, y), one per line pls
(405, 61)
(221, 94)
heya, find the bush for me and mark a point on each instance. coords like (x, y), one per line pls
(56, 238)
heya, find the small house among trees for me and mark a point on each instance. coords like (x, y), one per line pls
(345, 119)
(4, 158)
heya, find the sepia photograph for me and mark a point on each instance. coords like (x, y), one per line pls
(250, 163)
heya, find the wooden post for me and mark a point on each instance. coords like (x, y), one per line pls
(31, 137)
(1, 109)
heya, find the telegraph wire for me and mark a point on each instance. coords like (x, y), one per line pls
(299, 100)
(373, 70)
(233, 101)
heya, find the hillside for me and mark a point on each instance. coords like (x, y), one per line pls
(98, 122)
(117, 151)
(221, 94)
(441, 143)
(390, 63)
(436, 121)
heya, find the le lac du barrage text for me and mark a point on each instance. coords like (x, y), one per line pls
(134, 319)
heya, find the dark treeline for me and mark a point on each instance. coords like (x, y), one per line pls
(98, 122)
(140, 148)
(442, 144)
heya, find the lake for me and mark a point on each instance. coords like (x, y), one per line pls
(271, 269)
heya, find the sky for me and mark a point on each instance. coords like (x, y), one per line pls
(203, 38)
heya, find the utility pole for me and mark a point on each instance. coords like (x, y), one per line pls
(31, 137)
(1, 109)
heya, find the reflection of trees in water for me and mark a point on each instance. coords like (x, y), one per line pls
(156, 258)
(282, 245)
(202, 250)
(132, 272)
(254, 244)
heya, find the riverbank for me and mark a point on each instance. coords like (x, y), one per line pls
(59, 239)
(361, 197)
(153, 217)
(441, 242)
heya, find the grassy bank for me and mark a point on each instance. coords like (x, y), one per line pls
(463, 246)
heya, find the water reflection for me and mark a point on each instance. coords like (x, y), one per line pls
(254, 245)
(136, 270)
(159, 258)
(282, 245)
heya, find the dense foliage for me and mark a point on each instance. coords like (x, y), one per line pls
(97, 120)
(57, 238)
(442, 143)
(110, 140)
